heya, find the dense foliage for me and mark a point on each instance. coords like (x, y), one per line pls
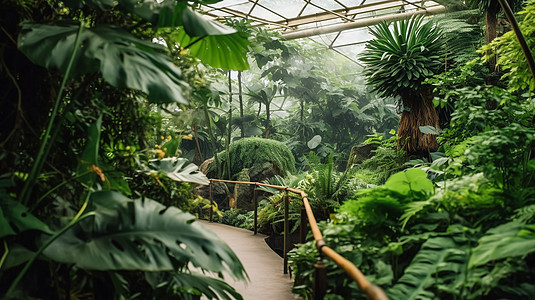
(464, 228)
(82, 154)
(107, 103)
(254, 153)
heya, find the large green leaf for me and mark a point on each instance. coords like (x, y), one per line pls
(167, 13)
(123, 60)
(15, 217)
(438, 255)
(178, 169)
(219, 51)
(507, 240)
(409, 180)
(143, 235)
(211, 288)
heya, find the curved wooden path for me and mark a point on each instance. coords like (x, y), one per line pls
(267, 282)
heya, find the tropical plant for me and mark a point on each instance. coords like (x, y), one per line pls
(254, 152)
(66, 197)
(491, 8)
(510, 54)
(397, 62)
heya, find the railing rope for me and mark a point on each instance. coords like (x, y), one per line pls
(320, 273)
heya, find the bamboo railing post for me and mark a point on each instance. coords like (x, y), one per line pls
(286, 229)
(320, 279)
(211, 202)
(303, 225)
(255, 202)
(320, 271)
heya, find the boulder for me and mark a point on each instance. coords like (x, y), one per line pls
(220, 194)
(262, 171)
(244, 193)
(360, 153)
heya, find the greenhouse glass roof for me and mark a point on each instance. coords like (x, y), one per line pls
(339, 24)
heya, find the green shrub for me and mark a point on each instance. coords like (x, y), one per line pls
(247, 152)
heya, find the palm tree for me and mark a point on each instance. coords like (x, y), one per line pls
(397, 61)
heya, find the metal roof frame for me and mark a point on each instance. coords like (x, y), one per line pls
(325, 16)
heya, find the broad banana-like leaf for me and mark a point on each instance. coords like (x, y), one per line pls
(141, 234)
(438, 255)
(507, 240)
(15, 217)
(124, 60)
(196, 24)
(221, 51)
(178, 169)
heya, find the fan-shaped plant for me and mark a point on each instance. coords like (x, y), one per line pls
(400, 57)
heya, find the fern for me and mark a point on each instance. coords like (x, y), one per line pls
(441, 261)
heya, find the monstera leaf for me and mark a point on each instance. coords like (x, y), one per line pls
(123, 60)
(141, 234)
(212, 288)
(178, 169)
(212, 42)
(15, 217)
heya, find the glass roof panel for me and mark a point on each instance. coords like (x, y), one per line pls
(327, 4)
(262, 13)
(330, 22)
(311, 9)
(359, 35)
(228, 3)
(287, 8)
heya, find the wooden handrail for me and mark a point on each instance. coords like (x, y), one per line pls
(372, 291)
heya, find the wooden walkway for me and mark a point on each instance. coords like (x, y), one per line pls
(267, 282)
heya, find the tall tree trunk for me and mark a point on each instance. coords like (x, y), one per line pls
(227, 144)
(212, 140)
(491, 24)
(197, 145)
(419, 112)
(302, 119)
(240, 97)
(268, 119)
